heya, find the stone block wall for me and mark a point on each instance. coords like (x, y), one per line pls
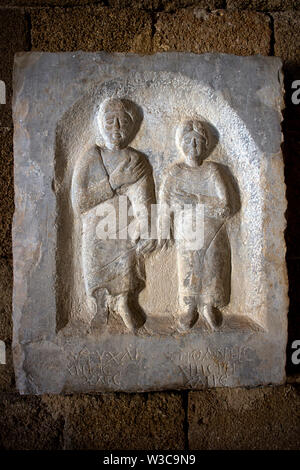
(262, 418)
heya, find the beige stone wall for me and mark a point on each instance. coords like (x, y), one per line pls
(267, 417)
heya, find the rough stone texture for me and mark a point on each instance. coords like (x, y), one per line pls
(43, 3)
(6, 285)
(123, 422)
(142, 4)
(6, 191)
(171, 5)
(5, 299)
(7, 382)
(194, 30)
(240, 419)
(91, 29)
(167, 5)
(259, 5)
(13, 38)
(26, 424)
(6, 276)
(287, 38)
(263, 5)
(114, 356)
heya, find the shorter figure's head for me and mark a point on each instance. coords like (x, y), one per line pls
(193, 141)
(116, 122)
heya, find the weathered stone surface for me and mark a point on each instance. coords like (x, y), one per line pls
(150, 5)
(90, 29)
(92, 320)
(13, 38)
(123, 422)
(263, 5)
(142, 4)
(7, 382)
(6, 191)
(108, 422)
(287, 38)
(259, 5)
(167, 5)
(171, 5)
(263, 418)
(195, 30)
(26, 424)
(6, 285)
(43, 3)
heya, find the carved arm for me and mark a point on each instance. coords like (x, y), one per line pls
(90, 184)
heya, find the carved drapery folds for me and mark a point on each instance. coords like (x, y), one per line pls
(115, 181)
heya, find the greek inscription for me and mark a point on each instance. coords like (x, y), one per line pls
(211, 368)
(238, 354)
(101, 367)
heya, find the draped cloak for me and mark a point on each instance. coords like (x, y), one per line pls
(113, 263)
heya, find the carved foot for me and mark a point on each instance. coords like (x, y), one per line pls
(99, 322)
(126, 317)
(188, 319)
(213, 316)
(98, 308)
(123, 309)
(92, 305)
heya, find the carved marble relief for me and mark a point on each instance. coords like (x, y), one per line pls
(148, 233)
(116, 180)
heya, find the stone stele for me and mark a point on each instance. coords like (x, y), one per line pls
(148, 235)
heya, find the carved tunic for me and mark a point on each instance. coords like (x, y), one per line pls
(203, 273)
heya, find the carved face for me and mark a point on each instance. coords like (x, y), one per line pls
(193, 142)
(116, 125)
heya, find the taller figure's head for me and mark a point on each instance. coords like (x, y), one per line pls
(192, 139)
(117, 123)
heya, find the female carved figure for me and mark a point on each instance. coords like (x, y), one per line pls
(203, 273)
(101, 178)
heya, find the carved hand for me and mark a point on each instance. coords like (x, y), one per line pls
(184, 197)
(128, 172)
(214, 207)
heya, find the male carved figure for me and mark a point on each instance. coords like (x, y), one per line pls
(101, 178)
(203, 274)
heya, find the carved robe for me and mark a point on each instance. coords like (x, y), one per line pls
(202, 273)
(110, 263)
